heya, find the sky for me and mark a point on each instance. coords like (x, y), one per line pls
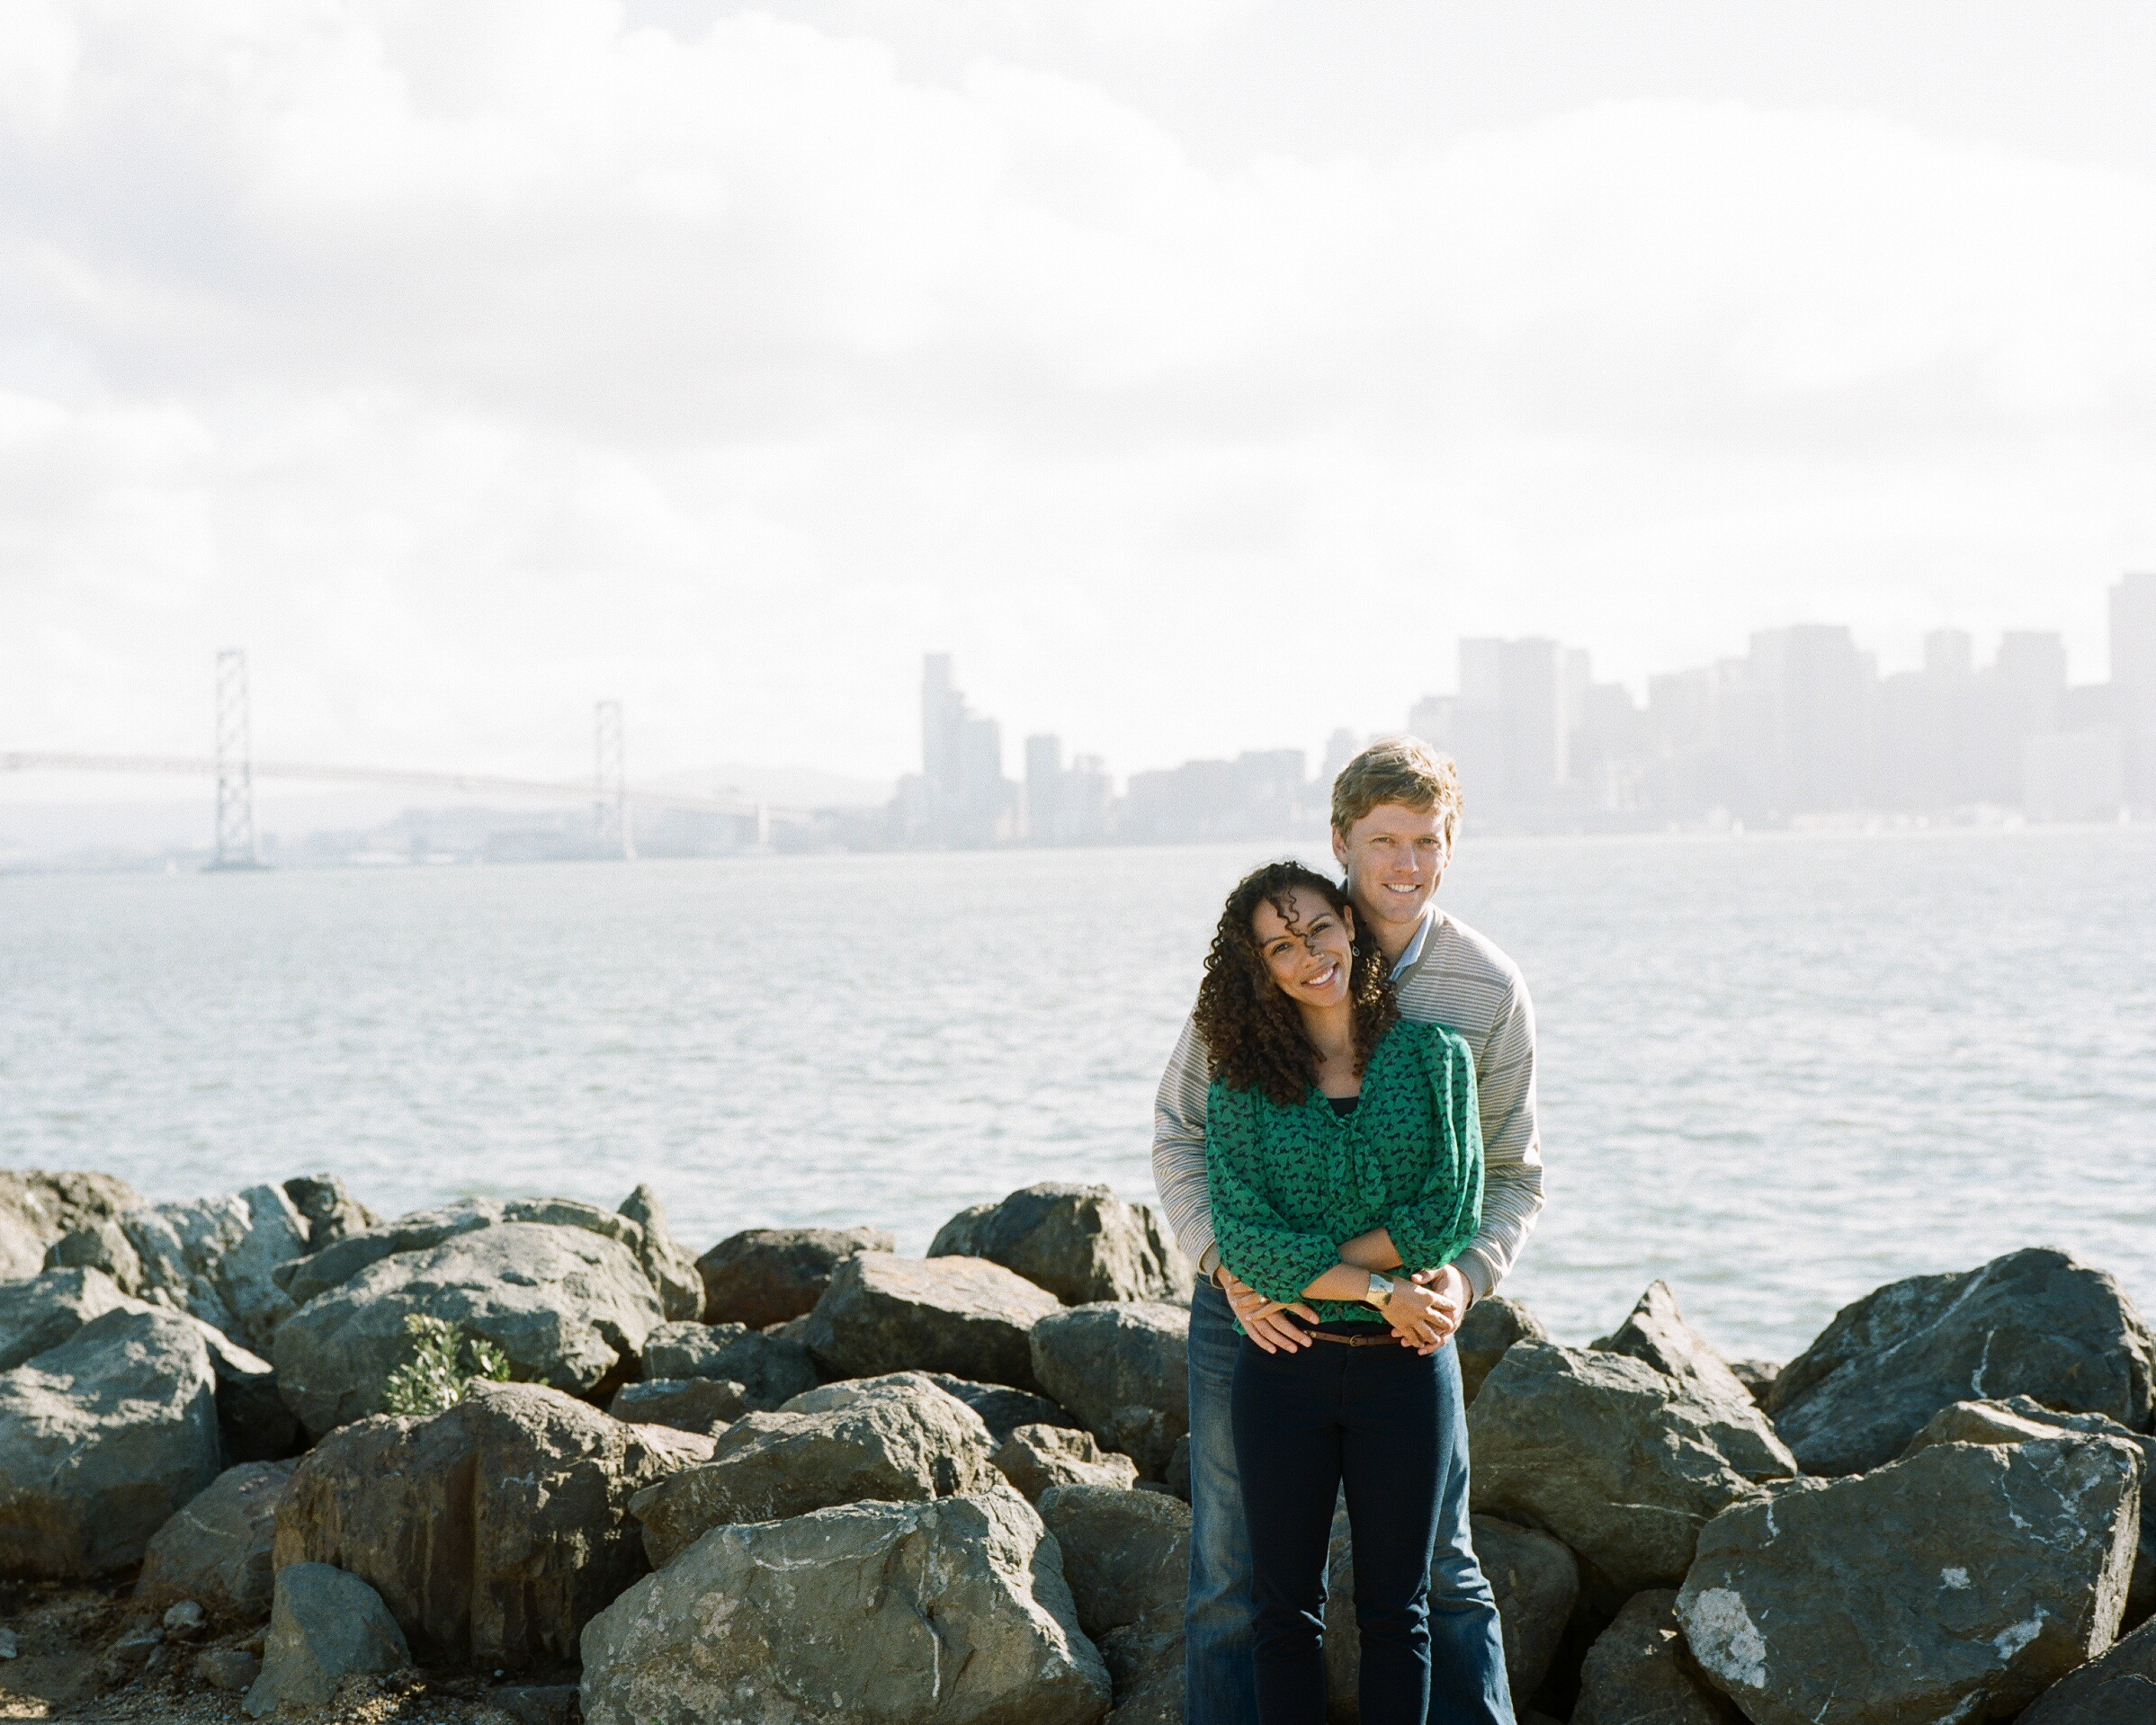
(1196, 374)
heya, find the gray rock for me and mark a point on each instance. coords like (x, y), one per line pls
(1657, 1333)
(882, 1313)
(1756, 1376)
(1126, 1554)
(1534, 1579)
(230, 1670)
(2016, 1420)
(1125, 1370)
(770, 1369)
(569, 1306)
(1177, 1478)
(1623, 1463)
(1035, 1457)
(102, 1439)
(1957, 1583)
(897, 1439)
(38, 1209)
(2119, 1688)
(948, 1612)
(1083, 1244)
(763, 1276)
(671, 1270)
(46, 1309)
(184, 1619)
(493, 1530)
(1002, 1409)
(100, 1244)
(552, 1703)
(213, 1257)
(217, 1548)
(2034, 1323)
(706, 1404)
(130, 1652)
(1145, 1665)
(325, 1626)
(331, 1212)
(1639, 1672)
(1491, 1326)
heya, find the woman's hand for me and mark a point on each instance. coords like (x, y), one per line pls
(1426, 1308)
(1260, 1318)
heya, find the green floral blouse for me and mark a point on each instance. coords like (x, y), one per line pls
(1288, 1185)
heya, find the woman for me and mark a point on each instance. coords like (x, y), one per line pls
(1331, 1119)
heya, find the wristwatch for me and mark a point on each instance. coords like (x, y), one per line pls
(1381, 1290)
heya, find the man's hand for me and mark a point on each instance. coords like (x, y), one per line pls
(1425, 1320)
(1261, 1318)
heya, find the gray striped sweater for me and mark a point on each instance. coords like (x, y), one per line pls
(1460, 979)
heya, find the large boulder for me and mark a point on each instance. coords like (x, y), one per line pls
(1534, 1579)
(1125, 1370)
(218, 1548)
(883, 1313)
(1639, 1672)
(38, 1209)
(1623, 1463)
(2016, 1420)
(102, 1439)
(1492, 1324)
(1957, 1583)
(1083, 1244)
(1126, 1554)
(763, 1276)
(493, 1530)
(2034, 1323)
(770, 1369)
(1657, 1333)
(2118, 1689)
(706, 1404)
(896, 1439)
(953, 1612)
(671, 1268)
(569, 1306)
(44, 1309)
(325, 1626)
(1034, 1458)
(330, 1211)
(1002, 1409)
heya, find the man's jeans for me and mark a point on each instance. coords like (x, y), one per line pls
(1467, 1653)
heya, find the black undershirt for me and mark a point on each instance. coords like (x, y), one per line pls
(1343, 1106)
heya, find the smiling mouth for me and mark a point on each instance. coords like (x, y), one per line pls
(1412, 886)
(1326, 981)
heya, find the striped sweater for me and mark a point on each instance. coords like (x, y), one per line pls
(1459, 980)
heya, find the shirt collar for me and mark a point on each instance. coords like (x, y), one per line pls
(1406, 961)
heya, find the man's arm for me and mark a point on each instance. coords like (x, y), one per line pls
(1512, 1157)
(1179, 1149)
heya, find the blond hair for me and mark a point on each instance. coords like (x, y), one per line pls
(1404, 770)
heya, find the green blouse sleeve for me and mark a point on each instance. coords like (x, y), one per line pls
(1432, 1228)
(1254, 1240)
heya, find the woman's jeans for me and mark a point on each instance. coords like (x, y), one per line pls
(1467, 1657)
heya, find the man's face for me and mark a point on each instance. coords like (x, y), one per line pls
(1394, 857)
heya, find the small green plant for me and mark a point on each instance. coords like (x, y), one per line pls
(444, 1363)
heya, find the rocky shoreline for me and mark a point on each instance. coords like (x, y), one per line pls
(802, 1478)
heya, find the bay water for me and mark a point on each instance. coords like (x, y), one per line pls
(1775, 1069)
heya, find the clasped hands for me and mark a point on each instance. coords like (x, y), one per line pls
(1424, 1312)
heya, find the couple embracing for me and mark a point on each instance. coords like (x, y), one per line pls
(1345, 1140)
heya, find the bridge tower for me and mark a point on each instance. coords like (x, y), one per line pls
(235, 842)
(609, 782)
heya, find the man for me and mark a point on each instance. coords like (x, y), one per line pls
(1395, 813)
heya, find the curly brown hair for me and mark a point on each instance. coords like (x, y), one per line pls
(1253, 1032)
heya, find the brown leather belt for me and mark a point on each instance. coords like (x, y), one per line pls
(1386, 1340)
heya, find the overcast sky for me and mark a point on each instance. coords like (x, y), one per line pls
(1196, 372)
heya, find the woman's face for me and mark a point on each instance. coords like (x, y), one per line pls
(1308, 951)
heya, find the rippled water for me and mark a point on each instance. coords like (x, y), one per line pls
(1776, 1070)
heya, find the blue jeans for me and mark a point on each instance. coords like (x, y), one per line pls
(1467, 1650)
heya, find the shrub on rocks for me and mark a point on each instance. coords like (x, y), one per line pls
(763, 1276)
(1657, 1333)
(492, 1531)
(1639, 1672)
(882, 1313)
(1623, 1463)
(102, 1439)
(1956, 1584)
(325, 1626)
(1083, 1244)
(2116, 1689)
(569, 1306)
(1125, 1370)
(770, 1369)
(953, 1612)
(1034, 1458)
(893, 1440)
(706, 1404)
(1490, 1327)
(1534, 1579)
(218, 1548)
(39, 1209)
(2034, 1323)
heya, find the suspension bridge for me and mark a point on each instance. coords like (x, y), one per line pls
(614, 799)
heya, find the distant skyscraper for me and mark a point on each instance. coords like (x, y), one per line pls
(943, 727)
(2134, 651)
(1044, 771)
(1508, 724)
(1819, 694)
